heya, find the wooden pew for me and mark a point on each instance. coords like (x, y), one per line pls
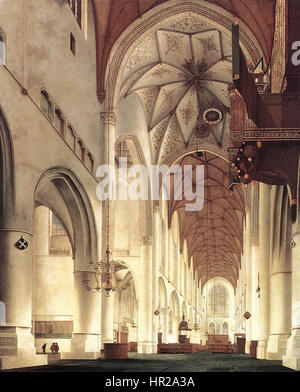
(219, 344)
(180, 348)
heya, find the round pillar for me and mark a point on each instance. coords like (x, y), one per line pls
(156, 261)
(107, 318)
(145, 319)
(16, 278)
(86, 333)
(16, 292)
(280, 325)
(292, 357)
(264, 269)
(41, 231)
(248, 266)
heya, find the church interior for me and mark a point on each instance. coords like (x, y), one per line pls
(84, 83)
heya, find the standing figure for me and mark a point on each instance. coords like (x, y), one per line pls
(56, 348)
(52, 348)
(44, 347)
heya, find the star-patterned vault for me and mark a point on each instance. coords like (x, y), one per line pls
(181, 74)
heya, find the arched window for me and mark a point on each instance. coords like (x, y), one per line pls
(218, 301)
(79, 9)
(225, 328)
(46, 105)
(122, 151)
(57, 228)
(211, 329)
(2, 50)
(59, 122)
(90, 162)
(80, 150)
(59, 240)
(70, 136)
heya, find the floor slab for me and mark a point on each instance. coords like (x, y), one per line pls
(200, 362)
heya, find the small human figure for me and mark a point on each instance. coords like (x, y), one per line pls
(44, 347)
(56, 348)
(52, 348)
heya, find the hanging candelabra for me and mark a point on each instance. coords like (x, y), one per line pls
(103, 274)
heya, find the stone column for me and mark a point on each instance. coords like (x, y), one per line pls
(185, 288)
(254, 261)
(16, 291)
(86, 337)
(41, 231)
(292, 357)
(41, 247)
(145, 313)
(107, 317)
(248, 266)
(254, 297)
(109, 120)
(156, 263)
(165, 325)
(166, 249)
(109, 138)
(279, 315)
(107, 302)
(181, 290)
(264, 269)
(178, 259)
(280, 280)
(170, 275)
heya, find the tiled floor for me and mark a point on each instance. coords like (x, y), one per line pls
(200, 362)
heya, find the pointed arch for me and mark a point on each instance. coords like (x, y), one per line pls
(7, 175)
(60, 190)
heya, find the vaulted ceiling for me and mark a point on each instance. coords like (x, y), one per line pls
(112, 17)
(214, 234)
(181, 74)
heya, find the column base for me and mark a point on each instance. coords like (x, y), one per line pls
(292, 357)
(80, 355)
(276, 347)
(17, 348)
(261, 349)
(23, 360)
(147, 348)
(84, 346)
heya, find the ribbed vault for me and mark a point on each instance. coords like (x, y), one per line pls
(112, 17)
(214, 234)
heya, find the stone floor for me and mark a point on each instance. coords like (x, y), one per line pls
(200, 362)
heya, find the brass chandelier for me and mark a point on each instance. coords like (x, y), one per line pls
(103, 274)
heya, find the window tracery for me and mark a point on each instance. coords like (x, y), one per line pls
(218, 301)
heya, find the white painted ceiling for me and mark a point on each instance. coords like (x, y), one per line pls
(179, 72)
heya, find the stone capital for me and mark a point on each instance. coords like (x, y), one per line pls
(146, 240)
(108, 117)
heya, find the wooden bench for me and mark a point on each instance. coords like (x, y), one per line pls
(132, 347)
(219, 344)
(180, 348)
(115, 351)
